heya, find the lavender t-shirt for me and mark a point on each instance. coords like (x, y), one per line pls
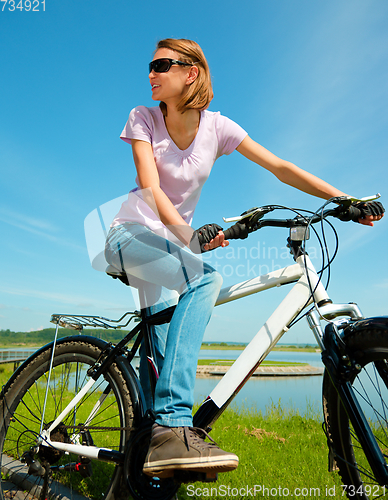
(182, 173)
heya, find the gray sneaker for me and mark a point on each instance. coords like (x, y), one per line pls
(185, 448)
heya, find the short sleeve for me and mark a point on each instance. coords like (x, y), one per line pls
(140, 125)
(229, 134)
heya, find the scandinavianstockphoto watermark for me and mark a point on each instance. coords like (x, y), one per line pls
(260, 490)
(239, 261)
(246, 262)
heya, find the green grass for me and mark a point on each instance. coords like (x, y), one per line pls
(6, 370)
(19, 440)
(278, 450)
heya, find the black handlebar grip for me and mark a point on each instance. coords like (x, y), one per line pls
(354, 213)
(349, 213)
(238, 231)
(228, 233)
(360, 210)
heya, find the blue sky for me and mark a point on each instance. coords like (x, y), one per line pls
(308, 80)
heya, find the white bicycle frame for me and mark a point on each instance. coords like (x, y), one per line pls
(308, 288)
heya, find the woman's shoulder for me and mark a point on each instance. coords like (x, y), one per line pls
(210, 115)
(216, 117)
(146, 112)
(145, 117)
(228, 133)
(141, 124)
(219, 121)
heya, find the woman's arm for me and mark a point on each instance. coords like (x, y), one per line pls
(154, 195)
(294, 176)
(287, 172)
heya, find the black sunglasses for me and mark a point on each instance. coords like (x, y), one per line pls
(164, 65)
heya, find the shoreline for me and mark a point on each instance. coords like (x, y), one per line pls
(205, 371)
(239, 347)
(204, 347)
(219, 369)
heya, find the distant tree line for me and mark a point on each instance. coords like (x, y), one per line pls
(41, 337)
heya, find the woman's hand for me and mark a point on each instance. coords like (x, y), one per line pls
(218, 241)
(207, 237)
(369, 219)
(370, 212)
(365, 213)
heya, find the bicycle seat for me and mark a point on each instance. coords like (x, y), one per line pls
(117, 274)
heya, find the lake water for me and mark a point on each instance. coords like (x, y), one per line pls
(298, 393)
(302, 394)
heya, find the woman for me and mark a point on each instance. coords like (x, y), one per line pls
(174, 147)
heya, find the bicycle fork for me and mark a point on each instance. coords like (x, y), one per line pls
(91, 452)
(341, 370)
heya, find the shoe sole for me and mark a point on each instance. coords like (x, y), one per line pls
(166, 468)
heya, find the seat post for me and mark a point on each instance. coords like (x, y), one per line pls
(149, 348)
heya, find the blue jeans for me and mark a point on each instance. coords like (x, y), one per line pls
(151, 260)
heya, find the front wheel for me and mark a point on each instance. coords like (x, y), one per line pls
(40, 471)
(369, 348)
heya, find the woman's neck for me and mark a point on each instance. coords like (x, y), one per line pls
(182, 128)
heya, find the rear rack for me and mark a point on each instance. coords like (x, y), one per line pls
(78, 321)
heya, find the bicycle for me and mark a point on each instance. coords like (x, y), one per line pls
(50, 441)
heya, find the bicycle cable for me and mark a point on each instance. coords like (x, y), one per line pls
(325, 254)
(308, 217)
(325, 250)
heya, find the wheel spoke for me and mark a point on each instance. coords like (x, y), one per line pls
(370, 348)
(19, 436)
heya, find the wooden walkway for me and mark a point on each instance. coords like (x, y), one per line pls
(263, 371)
(15, 355)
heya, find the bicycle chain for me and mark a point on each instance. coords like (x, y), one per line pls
(88, 427)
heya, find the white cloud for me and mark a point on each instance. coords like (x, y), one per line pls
(383, 284)
(25, 220)
(59, 298)
(39, 227)
(39, 329)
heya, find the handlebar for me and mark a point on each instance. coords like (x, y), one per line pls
(252, 219)
(241, 229)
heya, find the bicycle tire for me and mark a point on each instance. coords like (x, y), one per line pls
(369, 348)
(21, 411)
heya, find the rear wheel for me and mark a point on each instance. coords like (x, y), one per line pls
(369, 349)
(28, 468)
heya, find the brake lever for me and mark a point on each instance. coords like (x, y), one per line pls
(346, 201)
(250, 216)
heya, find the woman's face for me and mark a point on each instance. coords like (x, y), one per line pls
(169, 87)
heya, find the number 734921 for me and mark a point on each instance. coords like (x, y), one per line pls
(27, 5)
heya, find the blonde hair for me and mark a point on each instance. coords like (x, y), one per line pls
(200, 92)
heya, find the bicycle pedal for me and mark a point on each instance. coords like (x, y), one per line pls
(210, 477)
(164, 474)
(182, 476)
(36, 469)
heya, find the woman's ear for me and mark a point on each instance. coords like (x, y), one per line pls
(192, 75)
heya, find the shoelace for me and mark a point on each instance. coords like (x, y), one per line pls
(198, 433)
